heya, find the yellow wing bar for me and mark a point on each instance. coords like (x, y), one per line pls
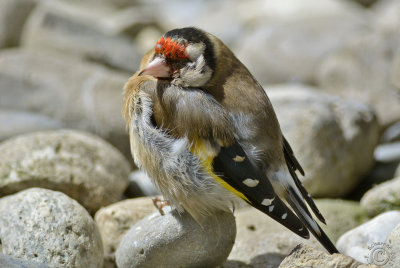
(202, 150)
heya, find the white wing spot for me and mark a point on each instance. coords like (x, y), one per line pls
(251, 183)
(301, 229)
(239, 158)
(267, 202)
(284, 216)
(271, 208)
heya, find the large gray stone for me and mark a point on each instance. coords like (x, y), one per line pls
(13, 15)
(79, 164)
(305, 256)
(383, 197)
(359, 241)
(116, 219)
(49, 227)
(13, 123)
(82, 30)
(332, 138)
(175, 240)
(79, 94)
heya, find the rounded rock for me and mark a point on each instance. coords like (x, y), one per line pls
(48, 227)
(78, 164)
(177, 240)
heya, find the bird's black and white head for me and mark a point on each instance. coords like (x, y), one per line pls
(184, 56)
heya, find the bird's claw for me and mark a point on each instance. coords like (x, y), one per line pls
(160, 204)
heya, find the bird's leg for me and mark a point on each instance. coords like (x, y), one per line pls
(233, 207)
(160, 204)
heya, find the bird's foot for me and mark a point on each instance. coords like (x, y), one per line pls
(160, 204)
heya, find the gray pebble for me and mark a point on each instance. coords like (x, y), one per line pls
(176, 240)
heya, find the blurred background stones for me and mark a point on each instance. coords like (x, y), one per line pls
(330, 67)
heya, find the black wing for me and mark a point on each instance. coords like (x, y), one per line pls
(294, 165)
(233, 166)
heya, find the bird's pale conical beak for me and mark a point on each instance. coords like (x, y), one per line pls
(157, 68)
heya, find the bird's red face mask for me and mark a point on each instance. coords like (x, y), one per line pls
(169, 55)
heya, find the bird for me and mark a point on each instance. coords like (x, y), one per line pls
(204, 130)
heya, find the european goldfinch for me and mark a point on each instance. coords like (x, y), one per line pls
(204, 130)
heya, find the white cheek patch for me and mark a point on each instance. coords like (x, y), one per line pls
(195, 50)
(197, 73)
